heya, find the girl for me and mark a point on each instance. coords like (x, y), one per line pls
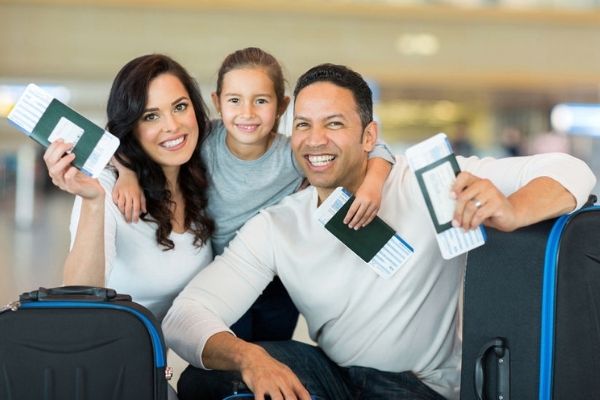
(251, 167)
(156, 110)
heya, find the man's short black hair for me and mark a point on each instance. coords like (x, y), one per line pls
(344, 77)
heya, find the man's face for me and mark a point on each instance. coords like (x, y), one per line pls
(327, 137)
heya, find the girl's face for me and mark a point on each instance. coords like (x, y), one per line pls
(168, 129)
(248, 107)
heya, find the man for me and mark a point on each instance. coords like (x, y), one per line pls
(377, 338)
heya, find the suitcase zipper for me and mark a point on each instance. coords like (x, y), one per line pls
(168, 373)
(14, 306)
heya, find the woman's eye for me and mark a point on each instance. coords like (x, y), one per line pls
(150, 117)
(181, 107)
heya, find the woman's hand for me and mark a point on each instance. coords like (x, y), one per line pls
(58, 159)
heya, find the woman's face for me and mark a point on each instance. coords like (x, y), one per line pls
(168, 129)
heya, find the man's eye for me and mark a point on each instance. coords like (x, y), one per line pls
(335, 124)
(300, 125)
(181, 106)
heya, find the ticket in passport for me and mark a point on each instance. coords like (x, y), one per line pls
(45, 119)
(377, 243)
(436, 168)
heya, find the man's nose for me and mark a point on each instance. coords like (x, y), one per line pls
(317, 137)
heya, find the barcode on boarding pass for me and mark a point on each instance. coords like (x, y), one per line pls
(332, 204)
(30, 107)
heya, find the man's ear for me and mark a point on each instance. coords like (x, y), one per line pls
(369, 137)
(283, 106)
(215, 100)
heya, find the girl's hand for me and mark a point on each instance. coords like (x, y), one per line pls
(128, 196)
(365, 206)
(66, 176)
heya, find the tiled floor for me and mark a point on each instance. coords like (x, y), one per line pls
(33, 257)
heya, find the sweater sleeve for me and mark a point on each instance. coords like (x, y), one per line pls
(220, 294)
(382, 150)
(510, 174)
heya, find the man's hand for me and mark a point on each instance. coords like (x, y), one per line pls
(263, 374)
(479, 201)
(266, 376)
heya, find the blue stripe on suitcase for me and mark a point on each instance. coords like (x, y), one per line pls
(159, 358)
(549, 303)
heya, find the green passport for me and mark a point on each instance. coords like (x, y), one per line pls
(46, 119)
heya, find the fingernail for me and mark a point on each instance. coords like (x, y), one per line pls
(455, 223)
(452, 195)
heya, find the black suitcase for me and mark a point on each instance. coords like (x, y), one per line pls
(531, 327)
(78, 343)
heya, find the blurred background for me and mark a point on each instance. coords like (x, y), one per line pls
(500, 77)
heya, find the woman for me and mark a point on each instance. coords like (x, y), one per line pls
(156, 110)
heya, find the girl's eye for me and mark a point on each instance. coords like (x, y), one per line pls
(262, 101)
(181, 106)
(150, 117)
(233, 100)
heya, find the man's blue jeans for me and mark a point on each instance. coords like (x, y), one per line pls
(273, 316)
(321, 376)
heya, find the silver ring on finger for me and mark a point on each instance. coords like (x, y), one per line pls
(477, 203)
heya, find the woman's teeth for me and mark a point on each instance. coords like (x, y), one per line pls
(172, 143)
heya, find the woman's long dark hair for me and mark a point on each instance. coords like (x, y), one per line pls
(126, 104)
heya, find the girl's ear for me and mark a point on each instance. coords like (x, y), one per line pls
(369, 137)
(283, 106)
(215, 100)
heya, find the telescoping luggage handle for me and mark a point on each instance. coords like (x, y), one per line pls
(498, 345)
(81, 293)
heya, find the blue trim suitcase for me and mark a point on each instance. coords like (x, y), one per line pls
(531, 325)
(80, 342)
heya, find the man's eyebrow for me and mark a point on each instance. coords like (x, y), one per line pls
(327, 118)
(335, 116)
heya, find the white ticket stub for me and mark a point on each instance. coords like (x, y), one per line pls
(377, 244)
(435, 167)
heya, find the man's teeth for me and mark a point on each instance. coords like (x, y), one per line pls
(172, 143)
(319, 161)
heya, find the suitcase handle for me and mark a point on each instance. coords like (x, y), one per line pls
(503, 369)
(84, 293)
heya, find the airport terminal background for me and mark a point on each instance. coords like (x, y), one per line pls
(500, 77)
